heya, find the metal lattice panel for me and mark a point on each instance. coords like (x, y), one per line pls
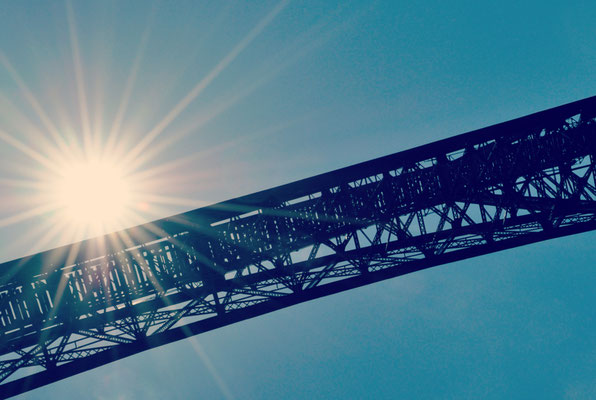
(80, 306)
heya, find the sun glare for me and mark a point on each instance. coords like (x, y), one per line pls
(99, 171)
(93, 194)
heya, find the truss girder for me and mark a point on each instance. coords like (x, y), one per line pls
(74, 308)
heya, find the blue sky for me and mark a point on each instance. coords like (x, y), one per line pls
(285, 90)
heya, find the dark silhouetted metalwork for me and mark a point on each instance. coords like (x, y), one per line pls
(80, 306)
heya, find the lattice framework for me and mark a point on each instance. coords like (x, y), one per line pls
(80, 306)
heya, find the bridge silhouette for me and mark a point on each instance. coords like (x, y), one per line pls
(77, 307)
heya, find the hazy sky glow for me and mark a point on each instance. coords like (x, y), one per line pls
(195, 102)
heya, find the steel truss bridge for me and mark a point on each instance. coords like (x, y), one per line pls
(77, 307)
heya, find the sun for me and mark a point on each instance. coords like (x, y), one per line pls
(93, 194)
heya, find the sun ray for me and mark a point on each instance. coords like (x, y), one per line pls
(130, 81)
(22, 183)
(210, 152)
(44, 235)
(158, 176)
(25, 215)
(172, 200)
(274, 67)
(223, 387)
(197, 123)
(79, 79)
(167, 166)
(45, 119)
(34, 155)
(203, 83)
(21, 123)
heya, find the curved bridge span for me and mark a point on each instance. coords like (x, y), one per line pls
(74, 308)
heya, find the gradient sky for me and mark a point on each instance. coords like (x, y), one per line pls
(285, 90)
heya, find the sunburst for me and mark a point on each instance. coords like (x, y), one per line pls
(95, 193)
